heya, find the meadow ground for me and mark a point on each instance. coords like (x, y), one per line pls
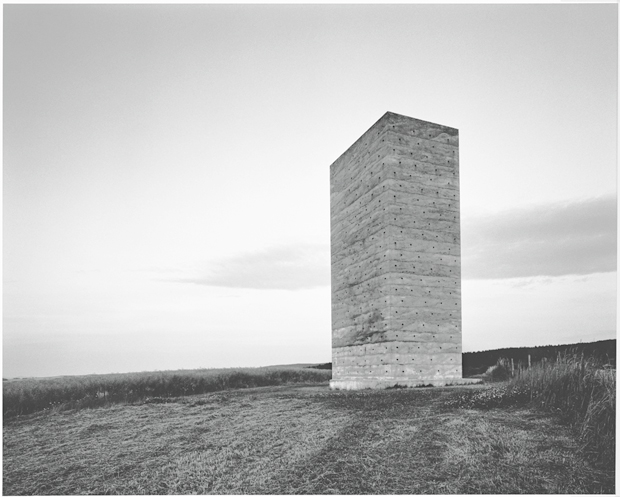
(297, 439)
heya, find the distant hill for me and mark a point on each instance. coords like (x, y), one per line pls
(479, 362)
(326, 365)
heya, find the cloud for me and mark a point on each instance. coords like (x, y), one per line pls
(287, 268)
(547, 240)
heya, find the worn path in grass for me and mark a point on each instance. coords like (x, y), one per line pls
(292, 440)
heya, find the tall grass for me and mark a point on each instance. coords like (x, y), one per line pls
(582, 390)
(73, 392)
(500, 372)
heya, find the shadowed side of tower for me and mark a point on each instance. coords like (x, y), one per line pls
(395, 257)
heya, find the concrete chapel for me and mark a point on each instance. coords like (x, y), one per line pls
(396, 258)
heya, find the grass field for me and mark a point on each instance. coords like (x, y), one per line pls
(299, 439)
(25, 396)
(580, 390)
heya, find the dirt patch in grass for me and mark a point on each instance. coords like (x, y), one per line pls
(296, 440)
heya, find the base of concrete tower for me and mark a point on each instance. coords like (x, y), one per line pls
(382, 383)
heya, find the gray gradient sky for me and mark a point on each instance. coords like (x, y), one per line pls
(166, 173)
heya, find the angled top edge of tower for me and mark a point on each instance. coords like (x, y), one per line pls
(392, 118)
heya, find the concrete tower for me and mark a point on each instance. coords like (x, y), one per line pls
(396, 258)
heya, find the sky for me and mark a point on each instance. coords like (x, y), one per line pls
(166, 173)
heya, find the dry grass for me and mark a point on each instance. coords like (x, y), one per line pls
(296, 440)
(26, 396)
(581, 391)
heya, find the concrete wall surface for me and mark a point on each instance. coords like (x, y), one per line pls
(395, 252)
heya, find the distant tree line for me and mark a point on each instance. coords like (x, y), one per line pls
(479, 362)
(326, 365)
